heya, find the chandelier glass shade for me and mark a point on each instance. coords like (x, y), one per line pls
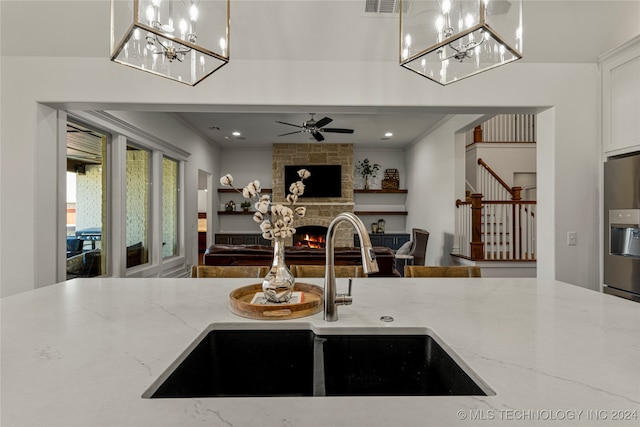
(449, 40)
(184, 40)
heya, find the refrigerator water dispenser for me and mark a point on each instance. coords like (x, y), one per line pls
(625, 232)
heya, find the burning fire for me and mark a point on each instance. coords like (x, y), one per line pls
(312, 241)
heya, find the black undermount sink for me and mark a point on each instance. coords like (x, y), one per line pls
(299, 362)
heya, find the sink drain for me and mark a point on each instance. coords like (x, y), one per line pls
(387, 319)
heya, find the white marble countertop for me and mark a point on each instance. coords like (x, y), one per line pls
(81, 353)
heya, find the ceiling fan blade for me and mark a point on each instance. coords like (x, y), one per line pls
(323, 122)
(337, 130)
(317, 136)
(289, 124)
(291, 133)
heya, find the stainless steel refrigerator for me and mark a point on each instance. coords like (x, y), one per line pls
(622, 227)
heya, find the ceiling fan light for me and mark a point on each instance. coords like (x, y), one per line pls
(315, 127)
(456, 39)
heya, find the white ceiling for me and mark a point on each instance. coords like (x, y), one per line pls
(318, 30)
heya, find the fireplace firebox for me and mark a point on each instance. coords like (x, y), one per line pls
(311, 236)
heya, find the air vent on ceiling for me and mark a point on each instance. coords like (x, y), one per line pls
(385, 6)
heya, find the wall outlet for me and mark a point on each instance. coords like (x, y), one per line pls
(571, 238)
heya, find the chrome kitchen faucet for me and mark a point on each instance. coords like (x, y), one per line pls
(369, 264)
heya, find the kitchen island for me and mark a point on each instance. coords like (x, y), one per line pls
(82, 353)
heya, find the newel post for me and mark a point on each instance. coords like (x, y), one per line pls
(516, 228)
(477, 246)
(477, 134)
(516, 193)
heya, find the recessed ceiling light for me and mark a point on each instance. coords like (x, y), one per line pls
(388, 134)
(236, 133)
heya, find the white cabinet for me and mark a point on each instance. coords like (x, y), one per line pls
(620, 74)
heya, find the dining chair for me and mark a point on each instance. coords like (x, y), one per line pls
(442, 271)
(231, 271)
(318, 270)
(416, 252)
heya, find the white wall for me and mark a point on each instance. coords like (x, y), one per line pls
(505, 159)
(387, 159)
(245, 165)
(435, 176)
(97, 83)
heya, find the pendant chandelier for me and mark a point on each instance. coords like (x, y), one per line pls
(184, 40)
(449, 40)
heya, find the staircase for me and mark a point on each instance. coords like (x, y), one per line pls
(496, 229)
(493, 223)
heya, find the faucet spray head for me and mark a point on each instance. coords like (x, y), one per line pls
(369, 262)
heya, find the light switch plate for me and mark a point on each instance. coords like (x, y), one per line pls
(571, 238)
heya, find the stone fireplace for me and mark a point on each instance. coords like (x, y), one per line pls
(320, 211)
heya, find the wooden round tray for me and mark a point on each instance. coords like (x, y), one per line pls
(240, 303)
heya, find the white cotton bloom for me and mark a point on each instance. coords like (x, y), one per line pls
(303, 173)
(252, 188)
(296, 188)
(275, 220)
(287, 231)
(266, 226)
(262, 207)
(292, 198)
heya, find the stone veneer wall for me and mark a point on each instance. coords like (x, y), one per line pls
(320, 211)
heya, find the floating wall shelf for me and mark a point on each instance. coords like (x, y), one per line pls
(380, 213)
(236, 212)
(231, 190)
(399, 191)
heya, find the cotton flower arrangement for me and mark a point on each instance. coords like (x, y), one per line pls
(276, 220)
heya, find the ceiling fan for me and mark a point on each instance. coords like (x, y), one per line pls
(315, 127)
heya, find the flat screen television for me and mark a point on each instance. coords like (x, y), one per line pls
(325, 180)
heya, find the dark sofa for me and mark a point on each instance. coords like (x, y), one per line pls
(263, 255)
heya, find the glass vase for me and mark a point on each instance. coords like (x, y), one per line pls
(277, 285)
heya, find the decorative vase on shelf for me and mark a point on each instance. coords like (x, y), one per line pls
(277, 285)
(367, 183)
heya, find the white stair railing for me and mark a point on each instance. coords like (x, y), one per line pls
(463, 228)
(510, 128)
(491, 186)
(506, 229)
